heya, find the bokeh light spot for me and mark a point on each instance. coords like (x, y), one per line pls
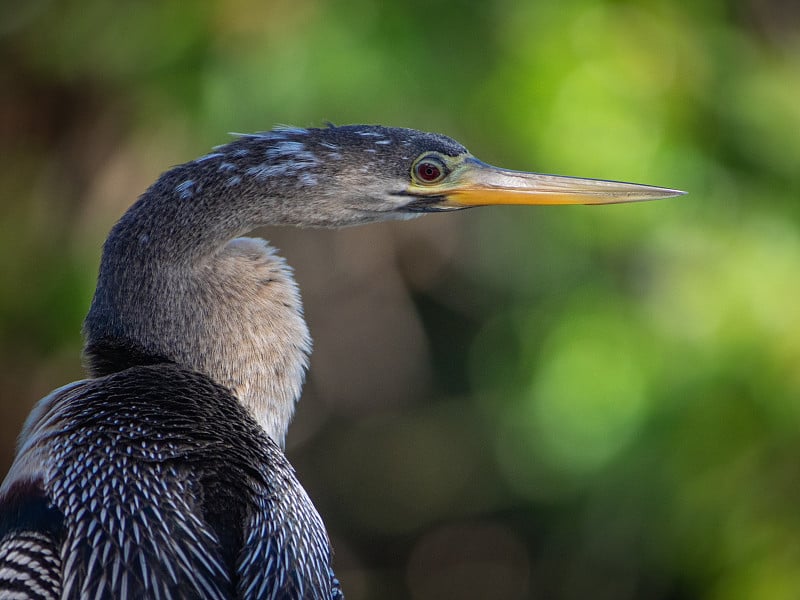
(588, 395)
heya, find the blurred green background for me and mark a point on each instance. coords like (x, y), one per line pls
(505, 403)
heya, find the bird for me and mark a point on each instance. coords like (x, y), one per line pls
(162, 474)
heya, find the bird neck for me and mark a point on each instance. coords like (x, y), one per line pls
(177, 284)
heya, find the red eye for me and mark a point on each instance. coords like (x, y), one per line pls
(428, 171)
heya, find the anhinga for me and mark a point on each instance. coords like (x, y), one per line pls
(162, 475)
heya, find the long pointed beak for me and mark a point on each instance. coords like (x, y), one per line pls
(477, 184)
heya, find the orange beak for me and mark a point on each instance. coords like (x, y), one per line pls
(475, 183)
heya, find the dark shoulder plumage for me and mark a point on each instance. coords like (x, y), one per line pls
(161, 462)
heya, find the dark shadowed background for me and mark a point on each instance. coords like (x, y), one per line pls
(505, 403)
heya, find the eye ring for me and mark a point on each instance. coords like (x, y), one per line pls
(429, 169)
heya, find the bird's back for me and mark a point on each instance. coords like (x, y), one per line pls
(155, 482)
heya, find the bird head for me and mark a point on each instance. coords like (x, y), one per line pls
(362, 173)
